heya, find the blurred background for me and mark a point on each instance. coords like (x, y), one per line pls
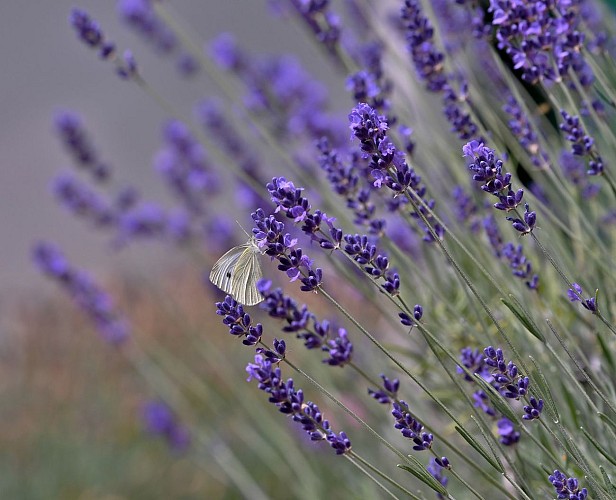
(70, 405)
(48, 70)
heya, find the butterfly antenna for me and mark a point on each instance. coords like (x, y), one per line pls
(243, 229)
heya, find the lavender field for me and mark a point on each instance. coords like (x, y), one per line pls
(322, 249)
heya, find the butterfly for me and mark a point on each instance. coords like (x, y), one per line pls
(238, 271)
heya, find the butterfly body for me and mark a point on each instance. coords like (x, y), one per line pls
(237, 273)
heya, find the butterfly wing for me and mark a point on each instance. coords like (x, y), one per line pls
(245, 276)
(224, 269)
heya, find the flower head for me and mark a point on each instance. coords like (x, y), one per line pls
(506, 431)
(160, 420)
(410, 427)
(488, 170)
(575, 295)
(388, 392)
(290, 401)
(86, 293)
(239, 322)
(567, 487)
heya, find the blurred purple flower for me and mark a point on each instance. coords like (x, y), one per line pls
(160, 420)
(92, 300)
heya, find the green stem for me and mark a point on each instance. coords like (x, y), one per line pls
(568, 282)
(394, 360)
(581, 371)
(465, 483)
(160, 384)
(354, 458)
(412, 197)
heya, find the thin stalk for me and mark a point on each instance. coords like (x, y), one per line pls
(412, 197)
(159, 383)
(394, 360)
(568, 282)
(354, 458)
(602, 78)
(195, 131)
(454, 473)
(581, 370)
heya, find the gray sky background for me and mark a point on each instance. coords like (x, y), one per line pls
(45, 69)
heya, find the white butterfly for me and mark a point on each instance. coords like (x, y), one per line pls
(237, 273)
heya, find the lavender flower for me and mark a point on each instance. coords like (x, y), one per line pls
(522, 129)
(369, 84)
(534, 409)
(473, 361)
(430, 68)
(299, 320)
(507, 380)
(123, 214)
(575, 171)
(290, 401)
(146, 220)
(289, 200)
(494, 236)
(277, 354)
(224, 134)
(575, 295)
(88, 296)
(184, 165)
(75, 139)
(527, 223)
(510, 383)
(339, 442)
(465, 209)
(324, 24)
(489, 171)
(80, 200)
(537, 39)
(567, 488)
(388, 392)
(239, 322)
(141, 17)
(363, 86)
(520, 265)
(427, 58)
(281, 93)
(377, 265)
(127, 66)
(348, 179)
(89, 32)
(389, 166)
(435, 469)
(340, 349)
(410, 427)
(506, 430)
(406, 320)
(581, 143)
(461, 122)
(160, 420)
(482, 401)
